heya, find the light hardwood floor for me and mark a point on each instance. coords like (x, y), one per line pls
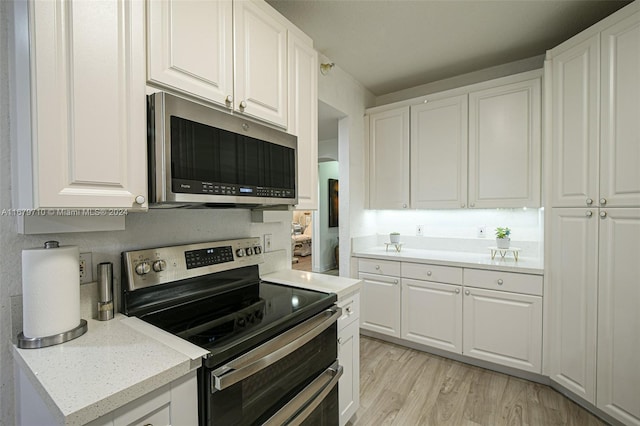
(402, 386)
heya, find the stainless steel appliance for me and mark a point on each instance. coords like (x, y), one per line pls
(199, 156)
(272, 349)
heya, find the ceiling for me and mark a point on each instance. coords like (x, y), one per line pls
(390, 45)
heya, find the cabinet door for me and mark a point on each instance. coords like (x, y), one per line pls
(349, 358)
(389, 159)
(505, 328)
(191, 47)
(618, 315)
(439, 153)
(380, 304)
(260, 62)
(573, 300)
(574, 124)
(88, 104)
(620, 140)
(303, 118)
(504, 146)
(432, 314)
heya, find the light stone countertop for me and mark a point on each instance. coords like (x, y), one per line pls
(341, 286)
(109, 366)
(459, 259)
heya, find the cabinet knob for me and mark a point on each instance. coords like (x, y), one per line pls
(603, 214)
(603, 201)
(349, 310)
(377, 267)
(229, 99)
(339, 340)
(589, 201)
(404, 206)
(457, 291)
(472, 204)
(462, 205)
(467, 292)
(500, 282)
(243, 104)
(395, 281)
(140, 199)
(429, 273)
(589, 213)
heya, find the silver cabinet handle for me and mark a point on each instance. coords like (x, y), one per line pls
(589, 201)
(428, 273)
(404, 206)
(500, 282)
(395, 281)
(589, 213)
(603, 201)
(243, 104)
(273, 351)
(603, 214)
(308, 399)
(377, 267)
(140, 199)
(467, 292)
(457, 291)
(472, 204)
(349, 312)
(462, 205)
(229, 99)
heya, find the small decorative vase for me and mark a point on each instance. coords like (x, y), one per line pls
(394, 238)
(503, 243)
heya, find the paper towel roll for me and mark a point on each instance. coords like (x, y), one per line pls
(50, 290)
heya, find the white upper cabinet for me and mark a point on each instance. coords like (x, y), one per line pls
(389, 159)
(178, 33)
(303, 117)
(439, 153)
(574, 99)
(87, 96)
(260, 62)
(232, 54)
(595, 105)
(620, 114)
(505, 146)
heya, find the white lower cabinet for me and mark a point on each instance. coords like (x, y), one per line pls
(349, 357)
(432, 314)
(489, 315)
(502, 327)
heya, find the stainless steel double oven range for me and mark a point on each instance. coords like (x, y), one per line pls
(272, 349)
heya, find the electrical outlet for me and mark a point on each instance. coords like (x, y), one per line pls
(86, 268)
(419, 230)
(267, 242)
(482, 232)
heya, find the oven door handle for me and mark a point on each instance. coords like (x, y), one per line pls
(272, 351)
(302, 405)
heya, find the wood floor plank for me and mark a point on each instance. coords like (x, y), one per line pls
(404, 387)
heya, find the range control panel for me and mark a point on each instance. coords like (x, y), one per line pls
(148, 267)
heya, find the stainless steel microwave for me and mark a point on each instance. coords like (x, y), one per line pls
(199, 156)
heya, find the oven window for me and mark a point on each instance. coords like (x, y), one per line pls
(201, 153)
(256, 398)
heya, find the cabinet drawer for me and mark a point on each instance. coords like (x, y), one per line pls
(382, 267)
(436, 273)
(350, 310)
(506, 281)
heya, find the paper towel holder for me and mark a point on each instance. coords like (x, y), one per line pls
(42, 342)
(25, 342)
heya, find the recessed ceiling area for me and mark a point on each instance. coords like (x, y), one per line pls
(391, 45)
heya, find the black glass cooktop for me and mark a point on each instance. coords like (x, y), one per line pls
(236, 320)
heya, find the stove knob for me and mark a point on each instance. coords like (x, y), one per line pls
(240, 252)
(159, 265)
(143, 268)
(249, 251)
(257, 249)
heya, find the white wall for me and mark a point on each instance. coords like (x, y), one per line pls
(342, 92)
(328, 236)
(328, 149)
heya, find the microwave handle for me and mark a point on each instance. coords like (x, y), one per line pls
(308, 399)
(272, 351)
